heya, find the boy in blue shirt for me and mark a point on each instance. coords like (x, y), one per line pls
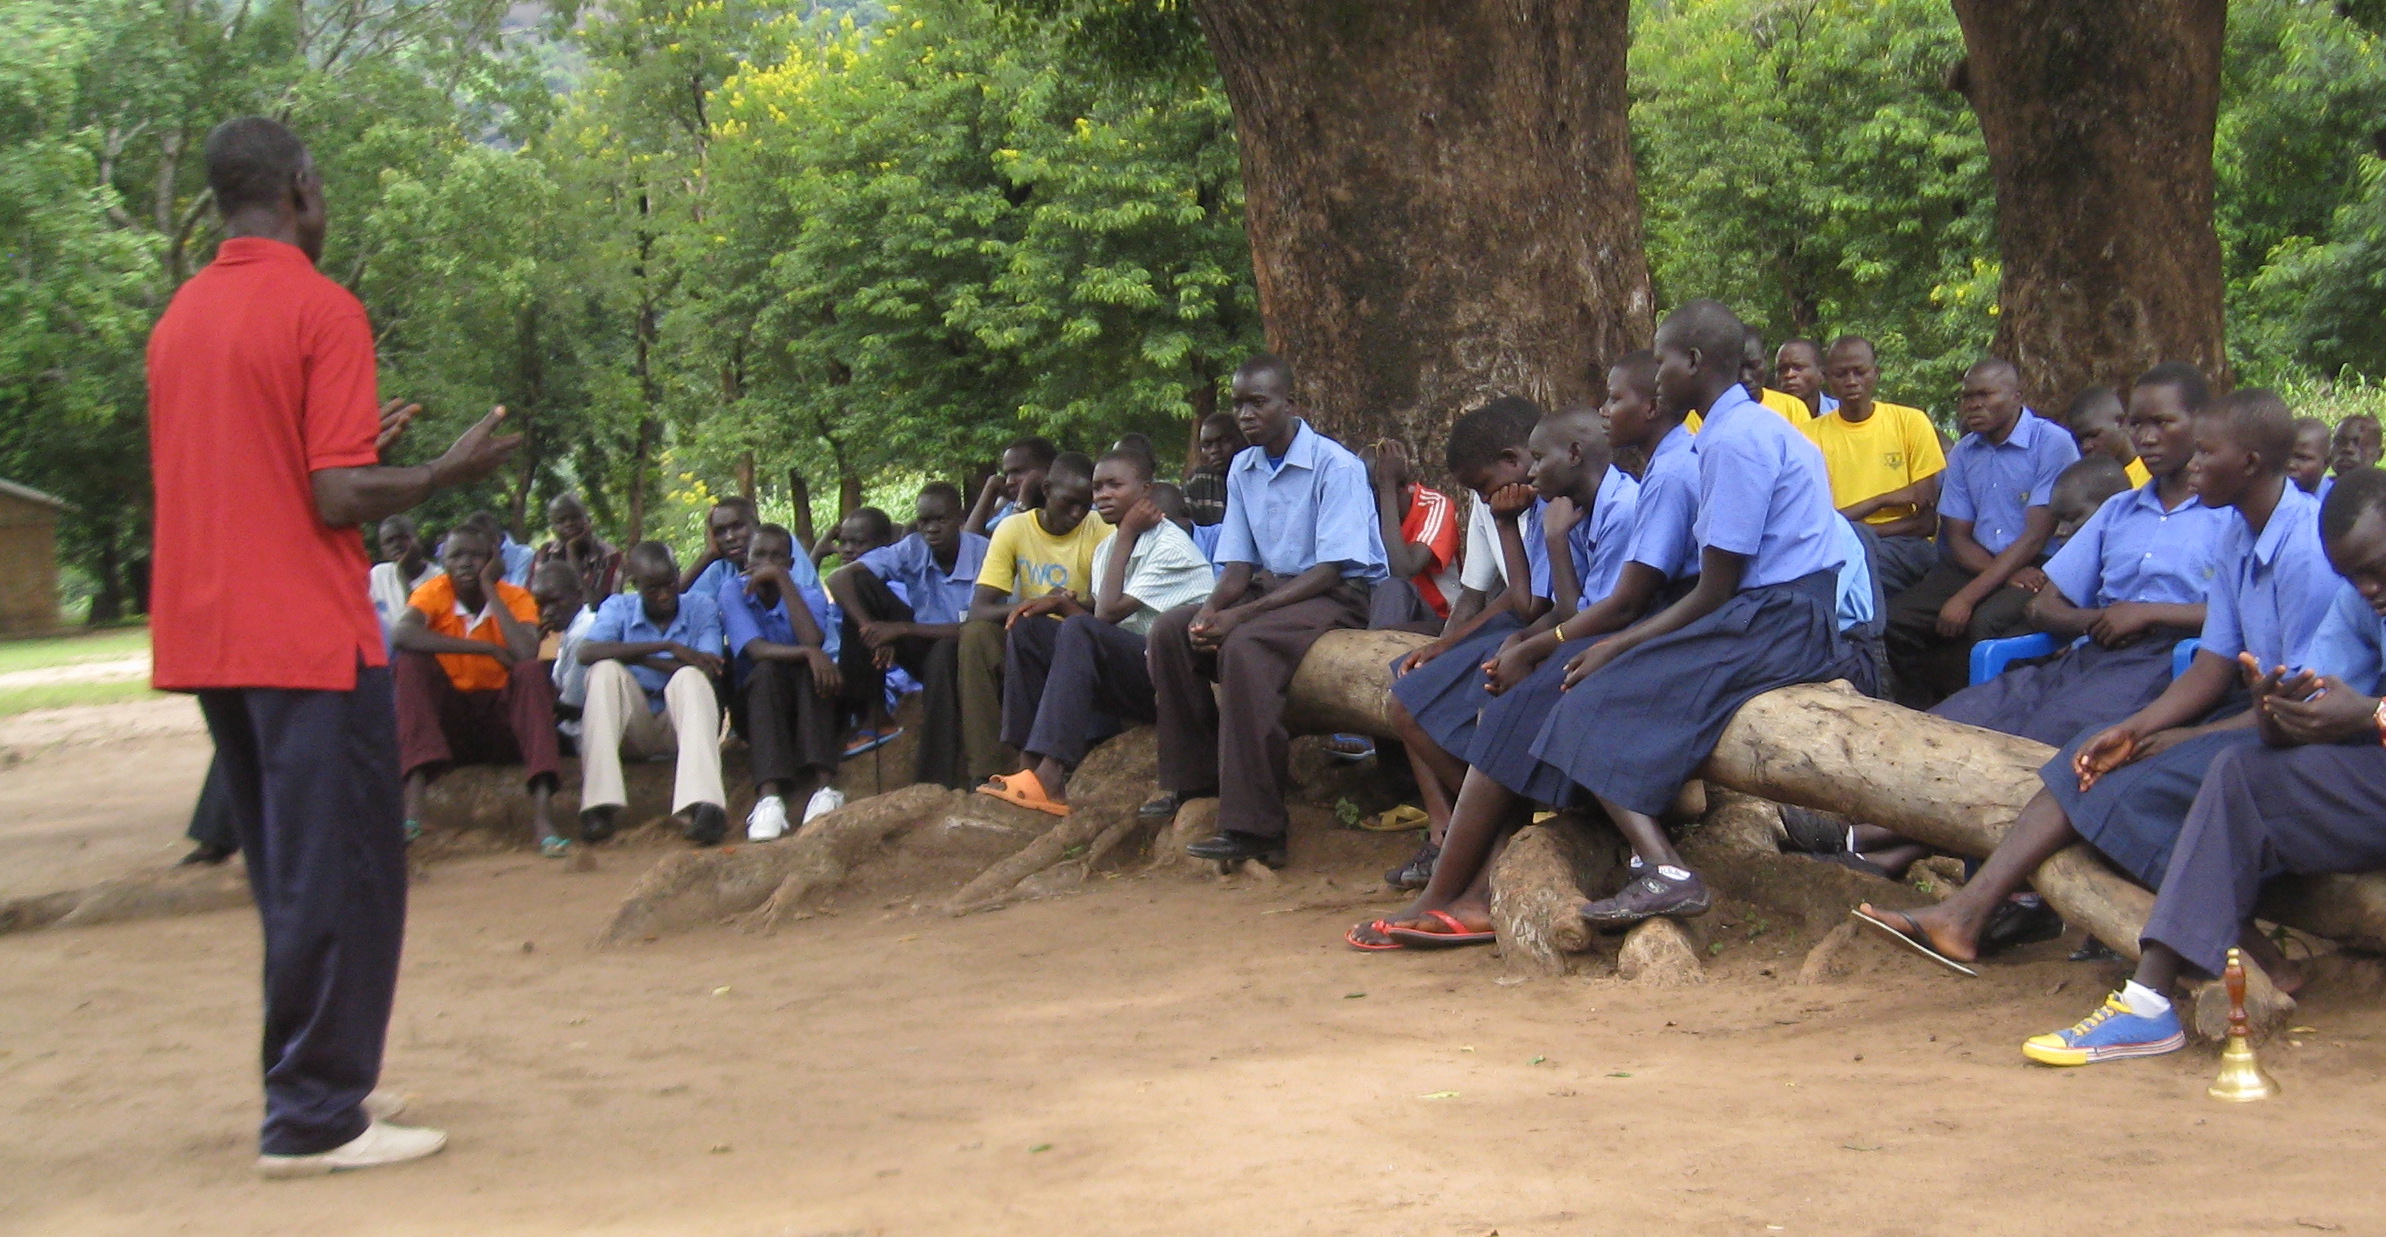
(728, 529)
(652, 656)
(790, 701)
(938, 566)
(2125, 788)
(1298, 553)
(1995, 522)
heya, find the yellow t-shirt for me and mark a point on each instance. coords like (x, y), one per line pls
(1025, 561)
(1889, 450)
(1791, 408)
(2138, 475)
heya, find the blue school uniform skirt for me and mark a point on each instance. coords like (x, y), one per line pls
(2054, 701)
(2134, 813)
(1636, 730)
(1503, 745)
(1445, 694)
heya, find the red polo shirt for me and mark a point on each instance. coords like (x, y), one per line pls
(260, 372)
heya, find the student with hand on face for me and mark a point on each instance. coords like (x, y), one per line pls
(576, 545)
(471, 689)
(405, 564)
(937, 565)
(1996, 522)
(790, 700)
(1066, 682)
(652, 656)
(1018, 485)
(1050, 549)
(728, 529)
(857, 534)
(1205, 486)
(2308, 467)
(2126, 788)
(1297, 557)
(1420, 534)
(2096, 423)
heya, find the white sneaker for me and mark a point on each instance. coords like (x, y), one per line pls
(825, 800)
(381, 1143)
(768, 821)
(383, 1105)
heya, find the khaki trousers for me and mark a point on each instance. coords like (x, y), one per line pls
(616, 717)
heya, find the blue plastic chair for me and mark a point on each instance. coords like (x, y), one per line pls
(2183, 654)
(1990, 657)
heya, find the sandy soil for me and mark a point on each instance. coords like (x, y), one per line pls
(1162, 1054)
(91, 793)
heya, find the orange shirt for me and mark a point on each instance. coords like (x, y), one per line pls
(260, 374)
(436, 599)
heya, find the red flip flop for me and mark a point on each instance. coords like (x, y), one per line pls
(1378, 926)
(1458, 934)
(1022, 789)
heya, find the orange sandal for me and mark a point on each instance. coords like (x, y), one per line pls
(1022, 789)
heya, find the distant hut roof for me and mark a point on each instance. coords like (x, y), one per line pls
(31, 495)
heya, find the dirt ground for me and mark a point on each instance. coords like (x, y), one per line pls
(1157, 1054)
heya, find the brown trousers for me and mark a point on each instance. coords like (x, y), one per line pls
(440, 726)
(1233, 744)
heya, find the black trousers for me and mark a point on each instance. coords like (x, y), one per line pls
(1396, 605)
(790, 729)
(1928, 668)
(312, 781)
(1068, 685)
(211, 819)
(935, 663)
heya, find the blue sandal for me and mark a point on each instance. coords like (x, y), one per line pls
(555, 847)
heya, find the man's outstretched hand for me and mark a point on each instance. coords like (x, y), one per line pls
(396, 415)
(477, 453)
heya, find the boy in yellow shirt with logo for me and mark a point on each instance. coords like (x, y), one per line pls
(1884, 461)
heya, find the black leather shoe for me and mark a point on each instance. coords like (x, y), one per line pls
(1229, 847)
(2015, 924)
(1161, 806)
(207, 853)
(598, 823)
(707, 824)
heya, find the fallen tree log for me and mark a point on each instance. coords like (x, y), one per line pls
(1538, 885)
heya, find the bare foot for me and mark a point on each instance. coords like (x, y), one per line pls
(1930, 926)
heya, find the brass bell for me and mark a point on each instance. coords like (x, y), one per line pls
(2242, 1078)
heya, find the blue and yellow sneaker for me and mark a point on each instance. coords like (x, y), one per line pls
(2109, 1034)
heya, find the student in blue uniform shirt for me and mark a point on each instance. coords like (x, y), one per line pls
(728, 530)
(1435, 703)
(2309, 799)
(2130, 584)
(1494, 728)
(2125, 788)
(1995, 522)
(789, 699)
(1299, 552)
(1643, 708)
(937, 568)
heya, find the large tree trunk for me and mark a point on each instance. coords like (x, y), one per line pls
(2099, 117)
(1442, 204)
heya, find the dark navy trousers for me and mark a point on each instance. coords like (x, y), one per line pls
(311, 778)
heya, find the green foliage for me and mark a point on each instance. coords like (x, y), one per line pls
(1804, 163)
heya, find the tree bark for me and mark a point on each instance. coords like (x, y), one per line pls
(2099, 118)
(1442, 203)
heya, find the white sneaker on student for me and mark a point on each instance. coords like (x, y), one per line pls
(383, 1105)
(380, 1144)
(768, 821)
(825, 800)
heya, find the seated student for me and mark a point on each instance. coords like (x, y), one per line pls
(937, 567)
(405, 564)
(1885, 467)
(2125, 788)
(564, 619)
(2095, 421)
(1420, 536)
(470, 686)
(2308, 467)
(1169, 497)
(576, 544)
(1586, 565)
(2080, 490)
(1205, 486)
(1798, 371)
(1140, 444)
(1993, 508)
(513, 554)
(790, 702)
(1065, 682)
(1297, 558)
(1745, 508)
(2354, 447)
(866, 529)
(2308, 800)
(728, 528)
(652, 656)
(1752, 380)
(1018, 485)
(1049, 550)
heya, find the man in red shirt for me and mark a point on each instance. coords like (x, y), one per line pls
(1420, 531)
(265, 436)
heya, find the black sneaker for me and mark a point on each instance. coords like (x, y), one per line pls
(707, 824)
(1672, 892)
(2093, 950)
(1417, 872)
(1161, 806)
(1231, 848)
(2016, 923)
(598, 823)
